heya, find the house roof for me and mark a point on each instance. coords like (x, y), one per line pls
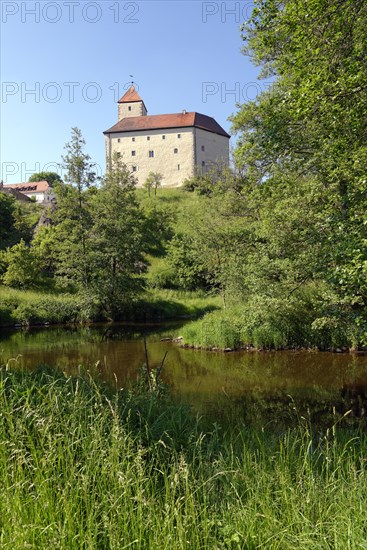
(15, 193)
(161, 122)
(131, 96)
(29, 187)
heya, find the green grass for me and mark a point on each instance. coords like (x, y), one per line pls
(181, 203)
(82, 466)
(36, 307)
(173, 304)
(27, 307)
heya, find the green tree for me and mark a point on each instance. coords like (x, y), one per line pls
(17, 220)
(21, 267)
(148, 185)
(302, 143)
(153, 181)
(7, 210)
(65, 245)
(50, 177)
(73, 216)
(116, 240)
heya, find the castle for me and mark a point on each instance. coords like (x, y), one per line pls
(175, 145)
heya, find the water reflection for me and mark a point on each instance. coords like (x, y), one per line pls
(248, 386)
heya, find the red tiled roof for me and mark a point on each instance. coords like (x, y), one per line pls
(161, 122)
(15, 193)
(29, 186)
(130, 96)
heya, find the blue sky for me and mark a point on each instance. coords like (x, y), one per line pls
(65, 63)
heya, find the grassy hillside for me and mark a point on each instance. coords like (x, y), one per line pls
(169, 212)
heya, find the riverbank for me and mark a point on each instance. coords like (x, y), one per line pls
(276, 325)
(82, 465)
(30, 308)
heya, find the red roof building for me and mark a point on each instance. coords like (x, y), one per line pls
(41, 191)
(177, 145)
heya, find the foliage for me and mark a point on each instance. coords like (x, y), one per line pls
(153, 181)
(77, 163)
(158, 221)
(20, 267)
(50, 177)
(73, 212)
(17, 221)
(310, 124)
(188, 271)
(293, 217)
(312, 317)
(26, 307)
(7, 207)
(116, 240)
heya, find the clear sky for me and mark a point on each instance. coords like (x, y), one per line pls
(66, 63)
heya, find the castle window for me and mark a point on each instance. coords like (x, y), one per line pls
(148, 138)
(132, 139)
(178, 135)
(133, 153)
(118, 155)
(163, 137)
(178, 166)
(175, 151)
(151, 154)
(203, 147)
(118, 140)
(129, 107)
(134, 168)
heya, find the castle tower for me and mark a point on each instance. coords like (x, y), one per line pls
(131, 104)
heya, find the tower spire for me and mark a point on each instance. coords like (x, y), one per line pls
(131, 104)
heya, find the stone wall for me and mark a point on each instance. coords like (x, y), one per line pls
(171, 150)
(131, 109)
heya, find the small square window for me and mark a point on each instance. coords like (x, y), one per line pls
(203, 147)
(118, 140)
(175, 150)
(163, 137)
(133, 153)
(151, 154)
(132, 139)
(134, 168)
(178, 135)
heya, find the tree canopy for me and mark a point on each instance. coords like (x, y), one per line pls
(50, 177)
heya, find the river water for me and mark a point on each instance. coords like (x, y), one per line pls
(271, 387)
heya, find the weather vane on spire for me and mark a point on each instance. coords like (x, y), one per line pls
(132, 76)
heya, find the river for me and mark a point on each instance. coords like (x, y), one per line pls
(271, 387)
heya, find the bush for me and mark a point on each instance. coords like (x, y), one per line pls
(310, 318)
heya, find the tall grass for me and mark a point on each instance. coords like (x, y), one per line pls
(298, 321)
(82, 466)
(28, 307)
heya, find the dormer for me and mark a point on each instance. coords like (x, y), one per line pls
(131, 104)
